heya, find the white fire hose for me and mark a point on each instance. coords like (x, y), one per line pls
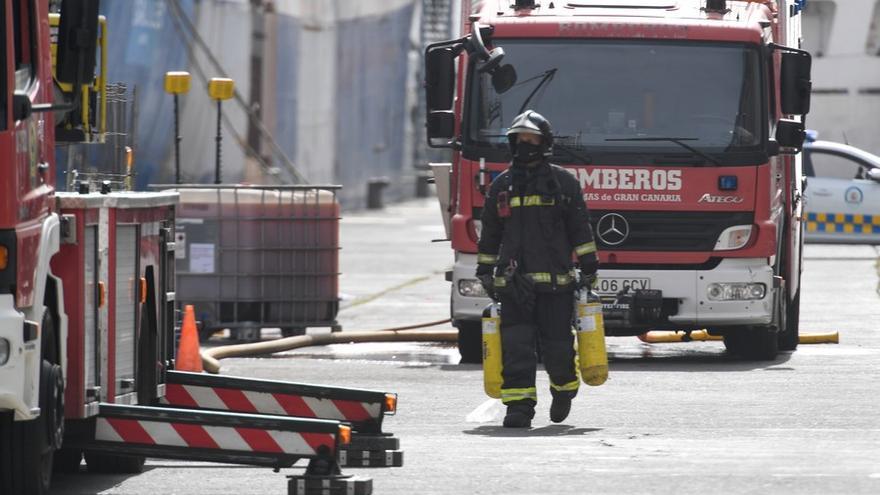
(211, 357)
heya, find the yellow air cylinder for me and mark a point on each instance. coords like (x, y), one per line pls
(492, 350)
(590, 327)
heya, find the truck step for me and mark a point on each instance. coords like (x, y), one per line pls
(363, 409)
(370, 458)
(373, 442)
(329, 485)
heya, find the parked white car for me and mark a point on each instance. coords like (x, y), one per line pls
(842, 196)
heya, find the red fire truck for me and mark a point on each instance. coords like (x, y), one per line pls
(87, 314)
(683, 121)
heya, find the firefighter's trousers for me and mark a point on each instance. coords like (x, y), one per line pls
(549, 321)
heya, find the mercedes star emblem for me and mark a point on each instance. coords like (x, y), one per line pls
(612, 229)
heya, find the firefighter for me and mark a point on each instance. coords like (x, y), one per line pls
(534, 218)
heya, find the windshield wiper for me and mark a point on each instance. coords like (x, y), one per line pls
(570, 151)
(545, 78)
(676, 140)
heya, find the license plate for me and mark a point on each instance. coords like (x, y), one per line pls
(611, 286)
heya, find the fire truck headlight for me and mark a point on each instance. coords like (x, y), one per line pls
(4, 351)
(733, 238)
(738, 291)
(469, 287)
(4, 257)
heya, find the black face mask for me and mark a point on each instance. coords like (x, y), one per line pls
(527, 153)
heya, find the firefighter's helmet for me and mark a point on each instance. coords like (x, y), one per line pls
(531, 122)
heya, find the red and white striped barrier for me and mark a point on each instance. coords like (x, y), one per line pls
(364, 409)
(243, 439)
(247, 401)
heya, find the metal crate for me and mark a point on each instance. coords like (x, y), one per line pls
(252, 257)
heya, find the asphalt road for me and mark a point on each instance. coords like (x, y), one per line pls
(672, 418)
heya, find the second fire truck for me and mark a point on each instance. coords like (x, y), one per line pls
(683, 122)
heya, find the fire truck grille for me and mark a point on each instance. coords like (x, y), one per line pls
(663, 230)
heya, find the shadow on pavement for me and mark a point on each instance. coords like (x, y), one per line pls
(544, 431)
(85, 483)
(649, 358)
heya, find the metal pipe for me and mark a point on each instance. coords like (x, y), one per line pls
(176, 142)
(218, 139)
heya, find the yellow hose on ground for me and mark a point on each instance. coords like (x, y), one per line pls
(211, 357)
(677, 336)
(819, 338)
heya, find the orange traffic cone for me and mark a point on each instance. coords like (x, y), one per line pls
(189, 358)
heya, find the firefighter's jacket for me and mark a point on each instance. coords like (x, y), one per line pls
(536, 218)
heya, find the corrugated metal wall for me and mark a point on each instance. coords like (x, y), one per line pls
(371, 77)
(341, 86)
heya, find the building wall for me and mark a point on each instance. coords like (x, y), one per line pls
(844, 38)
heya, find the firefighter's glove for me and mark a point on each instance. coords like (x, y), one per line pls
(488, 283)
(588, 281)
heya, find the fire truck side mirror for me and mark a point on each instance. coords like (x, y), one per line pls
(21, 106)
(503, 78)
(77, 41)
(795, 83)
(790, 134)
(440, 78)
(440, 92)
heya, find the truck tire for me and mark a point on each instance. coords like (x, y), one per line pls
(470, 341)
(99, 462)
(753, 344)
(30, 445)
(761, 342)
(7, 453)
(24, 470)
(788, 339)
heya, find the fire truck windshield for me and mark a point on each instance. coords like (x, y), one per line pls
(600, 93)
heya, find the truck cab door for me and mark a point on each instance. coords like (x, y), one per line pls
(32, 77)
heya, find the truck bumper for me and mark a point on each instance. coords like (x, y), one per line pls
(686, 288)
(688, 293)
(466, 307)
(19, 375)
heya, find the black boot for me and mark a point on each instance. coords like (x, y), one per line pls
(560, 408)
(519, 416)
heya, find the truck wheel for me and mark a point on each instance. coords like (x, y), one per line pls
(788, 339)
(470, 341)
(99, 462)
(35, 441)
(736, 341)
(754, 344)
(760, 342)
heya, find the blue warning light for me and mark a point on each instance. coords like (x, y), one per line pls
(727, 183)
